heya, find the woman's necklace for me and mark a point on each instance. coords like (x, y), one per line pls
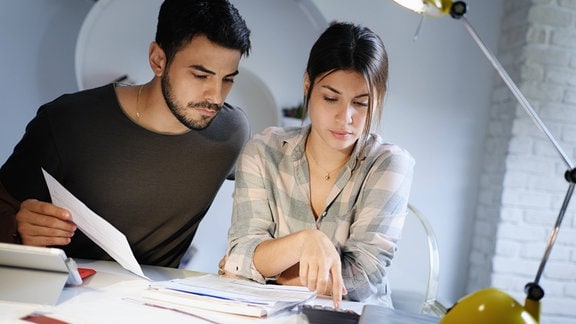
(328, 173)
(138, 115)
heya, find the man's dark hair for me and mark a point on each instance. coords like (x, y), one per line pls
(181, 20)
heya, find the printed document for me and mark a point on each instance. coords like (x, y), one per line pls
(95, 227)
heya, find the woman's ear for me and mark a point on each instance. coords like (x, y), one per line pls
(157, 59)
(306, 84)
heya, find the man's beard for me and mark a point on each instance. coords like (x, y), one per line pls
(180, 111)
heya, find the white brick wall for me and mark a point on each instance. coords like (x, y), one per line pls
(522, 185)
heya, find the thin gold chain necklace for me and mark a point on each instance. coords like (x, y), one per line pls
(138, 115)
(327, 176)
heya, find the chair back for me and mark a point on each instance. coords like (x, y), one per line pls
(414, 273)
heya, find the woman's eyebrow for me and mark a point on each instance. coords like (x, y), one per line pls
(338, 92)
(331, 89)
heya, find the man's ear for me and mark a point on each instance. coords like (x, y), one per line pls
(157, 59)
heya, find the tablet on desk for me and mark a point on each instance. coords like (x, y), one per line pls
(32, 274)
(39, 258)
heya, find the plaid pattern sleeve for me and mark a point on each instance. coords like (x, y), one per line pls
(378, 214)
(363, 218)
(253, 220)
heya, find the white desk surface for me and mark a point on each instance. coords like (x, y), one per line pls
(104, 298)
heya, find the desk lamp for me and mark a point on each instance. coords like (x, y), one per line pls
(491, 305)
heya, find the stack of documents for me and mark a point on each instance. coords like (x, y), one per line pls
(228, 295)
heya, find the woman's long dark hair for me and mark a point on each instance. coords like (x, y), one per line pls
(351, 47)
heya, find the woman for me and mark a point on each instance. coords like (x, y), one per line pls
(323, 205)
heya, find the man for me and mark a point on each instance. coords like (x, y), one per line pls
(150, 158)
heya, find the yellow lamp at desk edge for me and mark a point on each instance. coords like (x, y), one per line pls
(489, 305)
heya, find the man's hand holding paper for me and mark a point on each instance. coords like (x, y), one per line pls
(95, 227)
(44, 224)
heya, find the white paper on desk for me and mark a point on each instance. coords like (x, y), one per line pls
(226, 295)
(237, 289)
(95, 227)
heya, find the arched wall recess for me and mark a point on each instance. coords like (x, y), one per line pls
(250, 93)
(114, 39)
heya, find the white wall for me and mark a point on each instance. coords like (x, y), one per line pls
(437, 107)
(36, 58)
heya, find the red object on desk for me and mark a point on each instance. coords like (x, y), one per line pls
(86, 272)
(42, 319)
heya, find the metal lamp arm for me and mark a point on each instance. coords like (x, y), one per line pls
(533, 290)
(516, 92)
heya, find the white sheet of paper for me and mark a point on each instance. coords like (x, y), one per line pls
(95, 227)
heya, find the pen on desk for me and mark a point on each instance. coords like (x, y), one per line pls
(169, 308)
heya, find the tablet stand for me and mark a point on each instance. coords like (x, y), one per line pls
(31, 285)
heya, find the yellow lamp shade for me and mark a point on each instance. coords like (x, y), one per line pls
(432, 8)
(488, 305)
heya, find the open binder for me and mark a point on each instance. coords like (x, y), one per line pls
(227, 295)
